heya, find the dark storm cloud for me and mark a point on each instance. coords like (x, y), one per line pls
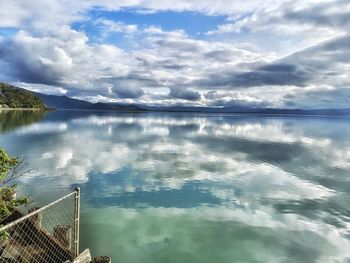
(223, 55)
(324, 55)
(309, 66)
(278, 74)
(128, 92)
(169, 64)
(333, 14)
(27, 69)
(181, 93)
(161, 63)
(289, 96)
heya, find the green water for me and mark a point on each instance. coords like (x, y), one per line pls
(194, 187)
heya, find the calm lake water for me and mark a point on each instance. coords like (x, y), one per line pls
(160, 187)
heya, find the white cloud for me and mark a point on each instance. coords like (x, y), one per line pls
(196, 157)
(43, 128)
(46, 89)
(110, 26)
(224, 158)
(17, 13)
(225, 28)
(63, 57)
(259, 39)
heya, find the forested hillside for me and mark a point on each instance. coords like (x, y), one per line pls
(13, 97)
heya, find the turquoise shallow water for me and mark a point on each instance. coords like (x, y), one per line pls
(194, 187)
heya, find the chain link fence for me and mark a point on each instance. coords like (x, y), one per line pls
(47, 234)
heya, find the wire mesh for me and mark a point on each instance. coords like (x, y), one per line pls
(48, 234)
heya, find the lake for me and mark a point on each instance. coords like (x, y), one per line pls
(176, 187)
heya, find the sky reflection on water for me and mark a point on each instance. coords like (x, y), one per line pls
(196, 188)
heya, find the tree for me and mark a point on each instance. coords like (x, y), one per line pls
(10, 169)
(18, 98)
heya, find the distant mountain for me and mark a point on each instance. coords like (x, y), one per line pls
(115, 106)
(63, 102)
(14, 97)
(11, 96)
(250, 110)
(66, 103)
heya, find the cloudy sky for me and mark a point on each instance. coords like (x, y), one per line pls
(271, 53)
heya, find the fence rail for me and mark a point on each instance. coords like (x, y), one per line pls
(49, 234)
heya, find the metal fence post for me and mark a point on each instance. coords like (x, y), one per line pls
(46, 234)
(77, 221)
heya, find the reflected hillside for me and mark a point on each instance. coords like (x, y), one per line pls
(12, 119)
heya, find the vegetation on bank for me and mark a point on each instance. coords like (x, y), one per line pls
(13, 97)
(10, 169)
(12, 119)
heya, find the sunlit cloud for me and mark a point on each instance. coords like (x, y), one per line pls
(257, 54)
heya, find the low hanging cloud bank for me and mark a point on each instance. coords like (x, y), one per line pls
(268, 54)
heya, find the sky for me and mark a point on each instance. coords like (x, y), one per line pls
(271, 53)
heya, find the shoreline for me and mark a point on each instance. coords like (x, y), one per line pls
(25, 109)
(184, 112)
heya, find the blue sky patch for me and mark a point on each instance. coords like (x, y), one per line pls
(191, 22)
(8, 31)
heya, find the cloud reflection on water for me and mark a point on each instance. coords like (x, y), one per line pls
(289, 175)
